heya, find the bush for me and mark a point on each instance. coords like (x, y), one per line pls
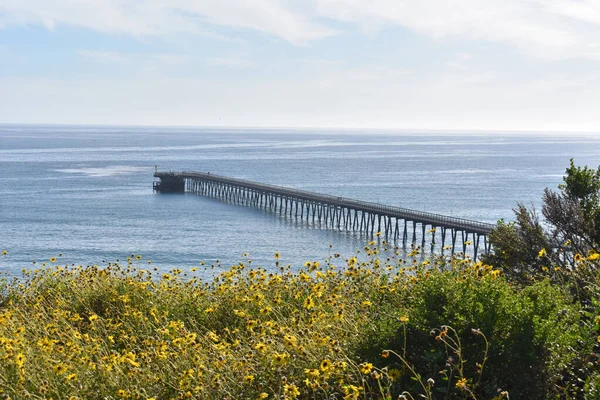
(524, 250)
(530, 333)
(564, 248)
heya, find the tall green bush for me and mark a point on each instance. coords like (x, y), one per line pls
(530, 333)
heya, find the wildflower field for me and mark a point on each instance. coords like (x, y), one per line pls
(351, 328)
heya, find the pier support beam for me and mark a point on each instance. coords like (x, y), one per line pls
(334, 212)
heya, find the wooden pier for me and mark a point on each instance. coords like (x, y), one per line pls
(340, 213)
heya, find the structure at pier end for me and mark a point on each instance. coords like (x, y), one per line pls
(170, 182)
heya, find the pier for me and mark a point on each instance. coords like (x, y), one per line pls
(395, 223)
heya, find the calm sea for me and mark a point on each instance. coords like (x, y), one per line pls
(86, 192)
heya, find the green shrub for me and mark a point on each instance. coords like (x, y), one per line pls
(531, 332)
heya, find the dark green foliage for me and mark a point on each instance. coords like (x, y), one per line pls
(574, 214)
(572, 218)
(565, 252)
(529, 331)
(583, 185)
(517, 246)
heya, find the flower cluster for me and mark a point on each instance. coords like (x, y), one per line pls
(133, 332)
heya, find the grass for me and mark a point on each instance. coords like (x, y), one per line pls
(350, 328)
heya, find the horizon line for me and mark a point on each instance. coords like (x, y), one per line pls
(406, 130)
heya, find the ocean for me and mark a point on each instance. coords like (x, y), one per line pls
(85, 192)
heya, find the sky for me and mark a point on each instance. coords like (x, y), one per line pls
(531, 65)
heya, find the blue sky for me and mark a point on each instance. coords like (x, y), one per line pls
(406, 64)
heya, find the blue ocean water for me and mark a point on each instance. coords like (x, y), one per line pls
(86, 192)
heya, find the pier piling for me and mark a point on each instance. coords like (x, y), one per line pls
(333, 211)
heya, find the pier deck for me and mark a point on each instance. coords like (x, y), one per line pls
(336, 212)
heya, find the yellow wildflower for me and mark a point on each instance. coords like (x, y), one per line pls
(366, 368)
(130, 359)
(266, 310)
(261, 347)
(290, 340)
(461, 384)
(251, 323)
(394, 374)
(309, 303)
(291, 391)
(542, 253)
(312, 372)
(20, 360)
(71, 377)
(60, 369)
(280, 358)
(351, 392)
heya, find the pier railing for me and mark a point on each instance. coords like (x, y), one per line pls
(404, 213)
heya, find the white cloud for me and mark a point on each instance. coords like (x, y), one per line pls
(456, 65)
(152, 62)
(102, 63)
(135, 63)
(159, 17)
(479, 78)
(230, 61)
(102, 55)
(552, 29)
(583, 10)
(171, 59)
